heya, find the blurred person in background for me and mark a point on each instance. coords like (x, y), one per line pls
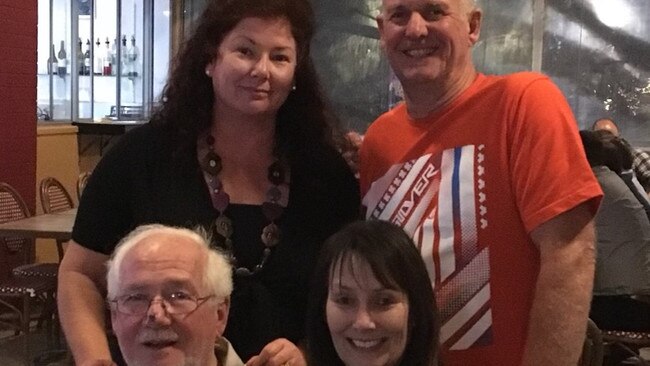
(641, 158)
(622, 245)
(619, 159)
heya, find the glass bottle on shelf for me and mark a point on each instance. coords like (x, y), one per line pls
(87, 64)
(114, 57)
(52, 64)
(107, 59)
(125, 59)
(80, 57)
(99, 60)
(63, 60)
(132, 55)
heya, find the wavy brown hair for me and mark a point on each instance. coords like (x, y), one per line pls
(303, 123)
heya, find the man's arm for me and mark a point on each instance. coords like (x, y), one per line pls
(558, 319)
(81, 304)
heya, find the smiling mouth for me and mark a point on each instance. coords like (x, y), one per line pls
(420, 52)
(159, 344)
(369, 344)
(257, 90)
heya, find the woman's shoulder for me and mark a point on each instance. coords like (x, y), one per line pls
(145, 140)
(326, 174)
(326, 161)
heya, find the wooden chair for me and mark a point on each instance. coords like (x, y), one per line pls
(82, 180)
(593, 348)
(625, 342)
(55, 198)
(19, 294)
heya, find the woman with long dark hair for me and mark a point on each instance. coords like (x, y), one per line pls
(243, 145)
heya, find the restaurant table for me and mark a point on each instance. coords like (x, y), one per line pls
(48, 226)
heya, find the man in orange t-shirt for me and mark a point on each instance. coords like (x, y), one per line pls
(489, 177)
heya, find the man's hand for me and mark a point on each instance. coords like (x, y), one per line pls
(351, 151)
(280, 352)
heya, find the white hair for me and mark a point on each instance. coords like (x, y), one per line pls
(217, 276)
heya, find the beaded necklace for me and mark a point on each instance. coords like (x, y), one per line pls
(272, 208)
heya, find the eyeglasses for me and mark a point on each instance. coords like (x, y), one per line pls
(175, 303)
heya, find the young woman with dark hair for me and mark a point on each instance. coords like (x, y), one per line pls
(371, 301)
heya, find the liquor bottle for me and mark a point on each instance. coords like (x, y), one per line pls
(87, 63)
(125, 59)
(80, 58)
(52, 64)
(107, 59)
(132, 55)
(99, 60)
(63, 60)
(114, 57)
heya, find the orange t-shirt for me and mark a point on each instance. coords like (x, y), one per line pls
(469, 183)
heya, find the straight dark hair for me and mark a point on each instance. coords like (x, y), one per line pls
(397, 265)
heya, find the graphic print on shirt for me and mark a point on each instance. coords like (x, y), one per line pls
(440, 202)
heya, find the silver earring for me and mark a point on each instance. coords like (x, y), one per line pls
(293, 87)
(207, 73)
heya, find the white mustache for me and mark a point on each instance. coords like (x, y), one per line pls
(163, 335)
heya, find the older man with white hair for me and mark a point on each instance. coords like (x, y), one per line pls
(169, 295)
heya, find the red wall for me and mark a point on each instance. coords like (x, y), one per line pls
(18, 39)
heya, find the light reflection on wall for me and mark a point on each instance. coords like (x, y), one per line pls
(614, 14)
(601, 61)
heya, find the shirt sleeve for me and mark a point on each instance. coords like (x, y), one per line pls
(104, 215)
(550, 171)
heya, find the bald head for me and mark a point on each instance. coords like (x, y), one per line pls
(466, 5)
(606, 124)
(469, 4)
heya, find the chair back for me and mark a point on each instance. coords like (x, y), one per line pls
(54, 197)
(82, 180)
(593, 348)
(13, 251)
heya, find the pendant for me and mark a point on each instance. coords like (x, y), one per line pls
(272, 211)
(220, 200)
(271, 235)
(274, 194)
(276, 173)
(223, 225)
(211, 163)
